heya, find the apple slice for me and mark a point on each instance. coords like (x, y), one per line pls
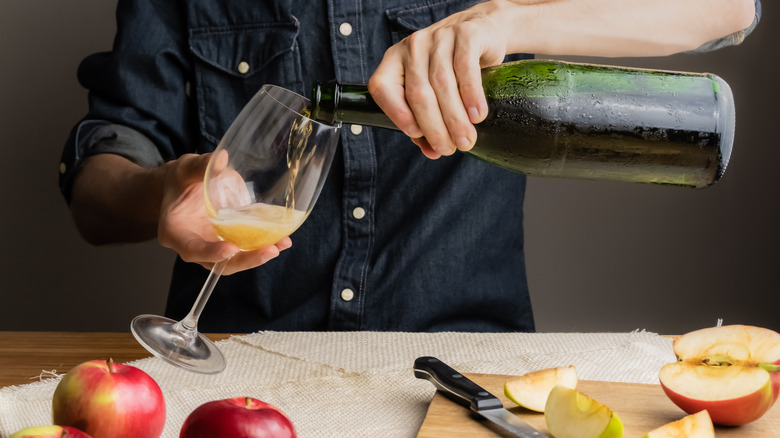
(731, 371)
(698, 425)
(571, 414)
(50, 432)
(531, 390)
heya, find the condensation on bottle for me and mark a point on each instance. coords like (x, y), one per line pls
(572, 120)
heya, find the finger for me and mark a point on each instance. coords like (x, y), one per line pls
(285, 243)
(445, 85)
(467, 69)
(219, 161)
(228, 190)
(188, 168)
(242, 261)
(197, 250)
(386, 87)
(195, 165)
(426, 148)
(421, 96)
(251, 259)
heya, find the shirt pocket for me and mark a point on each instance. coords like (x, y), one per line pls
(407, 19)
(231, 63)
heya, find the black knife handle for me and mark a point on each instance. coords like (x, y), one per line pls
(454, 384)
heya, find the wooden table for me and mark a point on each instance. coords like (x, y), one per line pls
(24, 356)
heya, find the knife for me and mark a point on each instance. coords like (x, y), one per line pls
(465, 392)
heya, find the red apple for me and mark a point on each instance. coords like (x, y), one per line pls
(106, 399)
(240, 417)
(732, 371)
(49, 432)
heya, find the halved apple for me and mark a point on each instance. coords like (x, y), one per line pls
(571, 414)
(731, 371)
(531, 390)
(698, 425)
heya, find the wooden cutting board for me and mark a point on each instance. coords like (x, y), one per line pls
(641, 408)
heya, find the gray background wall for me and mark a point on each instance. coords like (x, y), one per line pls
(601, 256)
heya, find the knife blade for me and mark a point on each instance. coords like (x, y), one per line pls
(460, 389)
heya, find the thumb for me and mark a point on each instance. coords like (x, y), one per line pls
(197, 250)
(192, 167)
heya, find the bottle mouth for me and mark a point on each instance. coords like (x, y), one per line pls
(324, 110)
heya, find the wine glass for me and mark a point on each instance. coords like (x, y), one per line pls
(260, 185)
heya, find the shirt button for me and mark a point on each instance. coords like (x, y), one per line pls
(345, 29)
(356, 129)
(359, 213)
(243, 67)
(63, 168)
(347, 294)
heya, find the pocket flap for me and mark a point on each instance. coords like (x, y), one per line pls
(408, 19)
(243, 50)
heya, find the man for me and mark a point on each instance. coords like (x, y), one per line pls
(397, 241)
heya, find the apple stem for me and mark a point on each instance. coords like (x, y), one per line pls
(772, 368)
(110, 364)
(247, 402)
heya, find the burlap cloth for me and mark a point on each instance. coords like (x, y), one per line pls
(361, 384)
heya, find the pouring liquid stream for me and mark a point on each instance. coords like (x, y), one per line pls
(299, 136)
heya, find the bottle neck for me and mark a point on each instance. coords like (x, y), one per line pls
(334, 102)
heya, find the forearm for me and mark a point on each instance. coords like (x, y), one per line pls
(115, 200)
(615, 28)
(430, 86)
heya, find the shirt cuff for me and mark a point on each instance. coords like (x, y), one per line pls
(92, 137)
(733, 39)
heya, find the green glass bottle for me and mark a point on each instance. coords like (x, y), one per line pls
(554, 118)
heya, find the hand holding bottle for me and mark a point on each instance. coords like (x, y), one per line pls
(430, 85)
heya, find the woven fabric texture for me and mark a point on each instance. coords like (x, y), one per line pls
(361, 383)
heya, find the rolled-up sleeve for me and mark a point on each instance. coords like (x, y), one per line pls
(91, 137)
(139, 106)
(732, 39)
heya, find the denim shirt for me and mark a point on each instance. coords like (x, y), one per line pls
(395, 242)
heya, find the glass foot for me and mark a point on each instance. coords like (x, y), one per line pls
(168, 340)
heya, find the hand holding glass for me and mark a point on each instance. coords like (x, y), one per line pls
(260, 185)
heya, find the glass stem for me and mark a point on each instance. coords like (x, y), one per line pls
(190, 322)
